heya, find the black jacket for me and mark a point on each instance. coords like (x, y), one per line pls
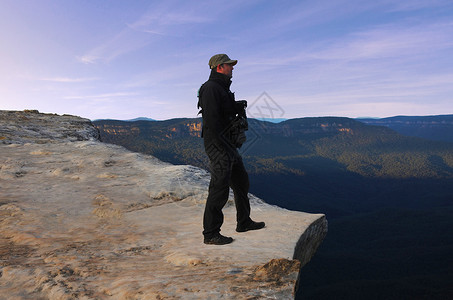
(218, 109)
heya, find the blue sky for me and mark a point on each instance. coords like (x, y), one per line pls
(127, 59)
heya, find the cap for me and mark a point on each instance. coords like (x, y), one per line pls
(219, 59)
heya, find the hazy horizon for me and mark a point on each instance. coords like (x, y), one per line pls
(273, 120)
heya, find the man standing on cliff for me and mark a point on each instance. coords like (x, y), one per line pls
(220, 114)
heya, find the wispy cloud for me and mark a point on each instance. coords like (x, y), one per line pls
(69, 80)
(304, 14)
(102, 96)
(89, 58)
(167, 18)
(381, 42)
(167, 14)
(125, 41)
(416, 4)
(390, 41)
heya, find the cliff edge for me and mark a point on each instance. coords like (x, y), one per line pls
(87, 220)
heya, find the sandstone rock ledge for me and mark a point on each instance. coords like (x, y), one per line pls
(87, 220)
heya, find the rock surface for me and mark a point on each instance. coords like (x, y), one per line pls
(89, 220)
(34, 127)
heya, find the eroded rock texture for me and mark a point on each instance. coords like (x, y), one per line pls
(88, 220)
(34, 127)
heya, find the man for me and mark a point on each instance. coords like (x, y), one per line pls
(220, 113)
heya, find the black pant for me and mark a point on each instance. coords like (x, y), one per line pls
(227, 170)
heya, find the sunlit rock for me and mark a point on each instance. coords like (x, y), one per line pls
(87, 220)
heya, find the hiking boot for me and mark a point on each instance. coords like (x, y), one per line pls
(218, 239)
(250, 226)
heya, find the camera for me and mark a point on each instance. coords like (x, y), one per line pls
(241, 105)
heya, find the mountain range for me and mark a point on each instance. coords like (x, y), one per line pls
(388, 196)
(439, 128)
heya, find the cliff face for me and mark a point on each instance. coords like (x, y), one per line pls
(192, 127)
(83, 219)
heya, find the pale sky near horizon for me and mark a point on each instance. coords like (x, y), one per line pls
(127, 59)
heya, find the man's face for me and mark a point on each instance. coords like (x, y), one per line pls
(226, 69)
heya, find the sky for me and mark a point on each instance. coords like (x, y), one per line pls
(127, 59)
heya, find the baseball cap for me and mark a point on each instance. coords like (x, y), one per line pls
(219, 59)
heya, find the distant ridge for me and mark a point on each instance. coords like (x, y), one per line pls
(140, 119)
(130, 120)
(436, 127)
(411, 118)
(272, 120)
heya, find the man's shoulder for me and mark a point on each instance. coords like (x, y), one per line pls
(211, 84)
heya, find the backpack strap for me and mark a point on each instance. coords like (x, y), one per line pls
(199, 104)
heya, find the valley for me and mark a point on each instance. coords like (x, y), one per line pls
(388, 197)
